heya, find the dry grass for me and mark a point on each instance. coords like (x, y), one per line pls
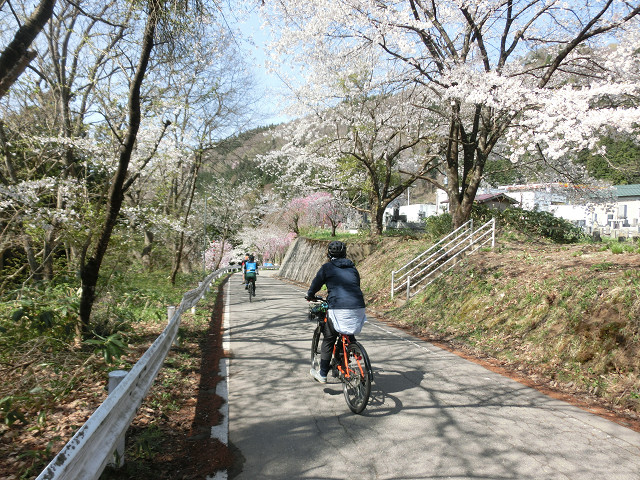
(568, 316)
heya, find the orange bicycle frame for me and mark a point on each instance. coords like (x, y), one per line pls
(345, 367)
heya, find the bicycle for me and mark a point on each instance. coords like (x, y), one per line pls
(251, 288)
(349, 361)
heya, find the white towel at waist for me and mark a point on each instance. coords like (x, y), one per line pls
(347, 321)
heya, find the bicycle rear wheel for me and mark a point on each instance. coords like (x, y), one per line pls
(252, 289)
(357, 384)
(315, 348)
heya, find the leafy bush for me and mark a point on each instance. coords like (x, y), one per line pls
(531, 222)
(8, 414)
(39, 311)
(438, 226)
(111, 348)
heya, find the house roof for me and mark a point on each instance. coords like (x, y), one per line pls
(494, 197)
(490, 197)
(628, 190)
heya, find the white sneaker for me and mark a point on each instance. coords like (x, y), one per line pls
(317, 377)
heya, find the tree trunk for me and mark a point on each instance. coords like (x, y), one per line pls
(222, 245)
(178, 256)
(91, 268)
(16, 56)
(47, 254)
(34, 266)
(145, 258)
(377, 216)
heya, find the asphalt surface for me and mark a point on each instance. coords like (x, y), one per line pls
(432, 415)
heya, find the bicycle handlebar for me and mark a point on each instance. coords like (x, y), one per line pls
(314, 299)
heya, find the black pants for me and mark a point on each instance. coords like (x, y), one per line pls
(326, 349)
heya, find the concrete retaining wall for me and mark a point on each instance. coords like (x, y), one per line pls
(304, 257)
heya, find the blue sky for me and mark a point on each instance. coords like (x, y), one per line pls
(268, 83)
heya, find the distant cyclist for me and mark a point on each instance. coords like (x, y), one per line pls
(346, 311)
(244, 260)
(249, 270)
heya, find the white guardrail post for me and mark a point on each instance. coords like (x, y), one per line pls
(115, 377)
(101, 438)
(408, 288)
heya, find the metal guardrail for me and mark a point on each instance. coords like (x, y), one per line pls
(93, 446)
(416, 275)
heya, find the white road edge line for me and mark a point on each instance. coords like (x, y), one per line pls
(221, 431)
(390, 332)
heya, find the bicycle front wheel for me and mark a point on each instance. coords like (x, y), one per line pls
(315, 348)
(357, 379)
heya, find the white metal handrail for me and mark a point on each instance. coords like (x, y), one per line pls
(438, 253)
(475, 244)
(445, 253)
(92, 447)
(407, 268)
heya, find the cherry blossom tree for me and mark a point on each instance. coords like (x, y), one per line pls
(91, 268)
(268, 241)
(295, 213)
(217, 254)
(229, 207)
(517, 75)
(97, 162)
(44, 132)
(359, 147)
(101, 166)
(330, 209)
(315, 209)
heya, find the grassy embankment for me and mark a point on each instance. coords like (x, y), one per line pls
(566, 316)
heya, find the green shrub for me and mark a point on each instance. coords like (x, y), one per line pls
(438, 226)
(39, 311)
(616, 248)
(111, 348)
(8, 413)
(531, 222)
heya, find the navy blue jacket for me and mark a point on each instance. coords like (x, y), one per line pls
(342, 281)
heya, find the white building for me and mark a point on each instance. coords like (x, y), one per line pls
(616, 213)
(613, 211)
(539, 196)
(418, 212)
(415, 213)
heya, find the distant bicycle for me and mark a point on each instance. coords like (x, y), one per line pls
(250, 271)
(251, 288)
(349, 362)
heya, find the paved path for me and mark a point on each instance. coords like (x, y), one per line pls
(433, 415)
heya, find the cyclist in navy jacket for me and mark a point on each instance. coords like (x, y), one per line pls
(346, 313)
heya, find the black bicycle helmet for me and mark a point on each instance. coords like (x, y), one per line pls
(336, 250)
